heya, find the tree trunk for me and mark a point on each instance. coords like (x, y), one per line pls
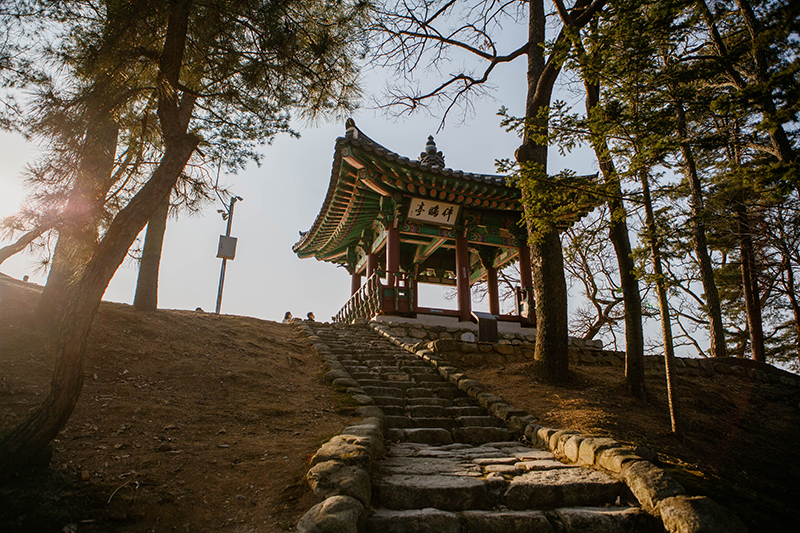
(791, 291)
(549, 283)
(30, 437)
(78, 230)
(713, 308)
(750, 283)
(663, 303)
(146, 298)
(618, 233)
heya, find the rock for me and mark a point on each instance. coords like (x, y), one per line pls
(572, 448)
(337, 514)
(698, 514)
(348, 449)
(649, 484)
(467, 347)
(363, 399)
(615, 459)
(468, 336)
(345, 382)
(332, 375)
(504, 349)
(589, 449)
(417, 333)
(336, 478)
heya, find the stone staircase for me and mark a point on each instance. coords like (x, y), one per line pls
(451, 466)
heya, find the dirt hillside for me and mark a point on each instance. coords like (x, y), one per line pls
(188, 421)
(193, 422)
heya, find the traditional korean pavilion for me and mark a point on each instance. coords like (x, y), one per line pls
(396, 222)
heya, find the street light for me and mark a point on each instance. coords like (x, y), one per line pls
(227, 247)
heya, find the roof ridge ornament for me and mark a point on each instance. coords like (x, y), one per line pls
(350, 128)
(430, 156)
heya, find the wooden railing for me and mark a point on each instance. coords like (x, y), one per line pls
(365, 303)
(373, 297)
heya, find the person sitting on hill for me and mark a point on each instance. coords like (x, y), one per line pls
(287, 318)
(310, 317)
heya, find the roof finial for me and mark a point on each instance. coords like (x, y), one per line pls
(350, 128)
(430, 156)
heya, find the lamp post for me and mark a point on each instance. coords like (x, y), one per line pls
(227, 247)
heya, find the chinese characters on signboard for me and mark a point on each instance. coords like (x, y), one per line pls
(430, 211)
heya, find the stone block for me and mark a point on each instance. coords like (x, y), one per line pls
(348, 449)
(432, 436)
(517, 424)
(486, 399)
(467, 384)
(650, 484)
(448, 493)
(607, 520)
(337, 514)
(544, 435)
(332, 375)
(444, 345)
(532, 433)
(467, 347)
(418, 520)
(336, 478)
(565, 487)
(363, 399)
(572, 448)
(503, 411)
(504, 349)
(345, 382)
(589, 449)
(417, 333)
(698, 514)
(615, 459)
(370, 411)
(481, 435)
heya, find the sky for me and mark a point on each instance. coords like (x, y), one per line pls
(283, 197)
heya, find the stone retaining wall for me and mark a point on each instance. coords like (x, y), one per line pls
(446, 341)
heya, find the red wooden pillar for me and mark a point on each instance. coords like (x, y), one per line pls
(525, 276)
(415, 291)
(494, 294)
(355, 283)
(462, 278)
(392, 254)
(372, 264)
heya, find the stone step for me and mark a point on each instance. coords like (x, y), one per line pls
(569, 520)
(404, 422)
(479, 421)
(384, 391)
(431, 436)
(438, 402)
(481, 435)
(458, 488)
(444, 492)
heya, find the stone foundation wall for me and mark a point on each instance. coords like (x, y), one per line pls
(457, 345)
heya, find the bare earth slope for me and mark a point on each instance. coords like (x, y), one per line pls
(187, 422)
(193, 422)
